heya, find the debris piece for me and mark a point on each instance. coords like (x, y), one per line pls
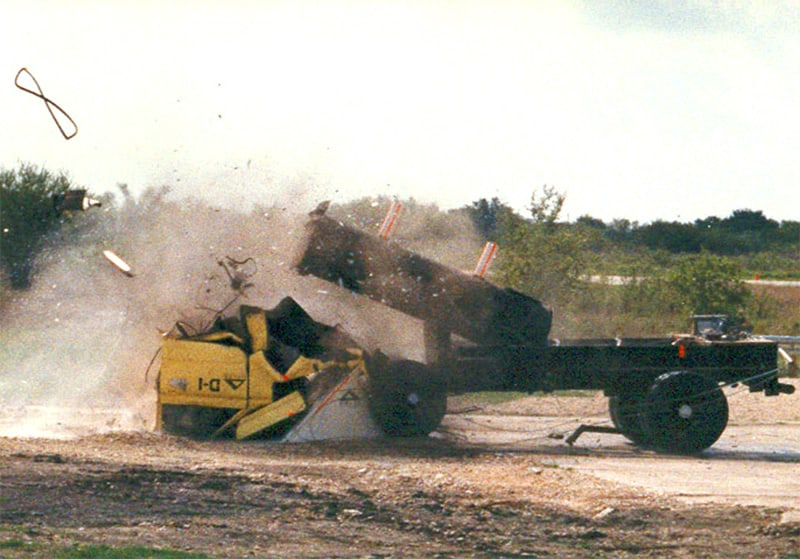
(49, 103)
(118, 262)
(74, 200)
(239, 272)
(603, 513)
(320, 210)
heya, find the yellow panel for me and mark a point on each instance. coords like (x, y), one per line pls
(303, 367)
(181, 399)
(219, 337)
(201, 351)
(199, 373)
(262, 377)
(257, 327)
(270, 415)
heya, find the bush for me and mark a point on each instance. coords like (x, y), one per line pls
(27, 215)
(709, 284)
(541, 256)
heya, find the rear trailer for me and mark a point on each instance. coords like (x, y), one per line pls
(664, 393)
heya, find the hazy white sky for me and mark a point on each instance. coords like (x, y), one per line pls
(644, 110)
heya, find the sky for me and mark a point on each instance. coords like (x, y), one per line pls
(638, 110)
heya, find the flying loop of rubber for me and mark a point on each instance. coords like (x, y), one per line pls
(47, 103)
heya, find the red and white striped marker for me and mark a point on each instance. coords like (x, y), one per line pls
(390, 220)
(485, 260)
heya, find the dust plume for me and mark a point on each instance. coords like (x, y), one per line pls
(78, 351)
(76, 347)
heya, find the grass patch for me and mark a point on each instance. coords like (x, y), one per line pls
(135, 552)
(14, 544)
(490, 398)
(494, 398)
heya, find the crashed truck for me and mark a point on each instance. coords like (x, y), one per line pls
(261, 372)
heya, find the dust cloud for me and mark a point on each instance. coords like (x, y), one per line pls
(78, 351)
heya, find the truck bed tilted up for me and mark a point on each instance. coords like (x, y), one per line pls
(446, 298)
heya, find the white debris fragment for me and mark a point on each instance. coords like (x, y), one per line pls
(118, 262)
(603, 513)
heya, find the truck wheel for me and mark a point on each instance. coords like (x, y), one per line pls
(626, 415)
(686, 413)
(407, 399)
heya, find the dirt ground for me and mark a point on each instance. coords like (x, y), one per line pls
(494, 482)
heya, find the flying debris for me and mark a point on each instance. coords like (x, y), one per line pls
(239, 272)
(320, 210)
(74, 200)
(118, 262)
(49, 103)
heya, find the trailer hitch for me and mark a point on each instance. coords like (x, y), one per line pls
(772, 387)
(781, 388)
(590, 429)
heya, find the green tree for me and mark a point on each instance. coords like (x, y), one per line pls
(709, 284)
(747, 221)
(546, 206)
(541, 256)
(488, 216)
(27, 215)
(621, 231)
(671, 236)
(789, 233)
(592, 222)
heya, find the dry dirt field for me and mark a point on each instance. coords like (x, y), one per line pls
(497, 482)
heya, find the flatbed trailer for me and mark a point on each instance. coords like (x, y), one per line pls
(664, 393)
(614, 366)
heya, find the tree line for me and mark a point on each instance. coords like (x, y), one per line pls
(743, 232)
(670, 269)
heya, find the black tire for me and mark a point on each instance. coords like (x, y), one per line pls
(626, 415)
(193, 421)
(686, 413)
(407, 399)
